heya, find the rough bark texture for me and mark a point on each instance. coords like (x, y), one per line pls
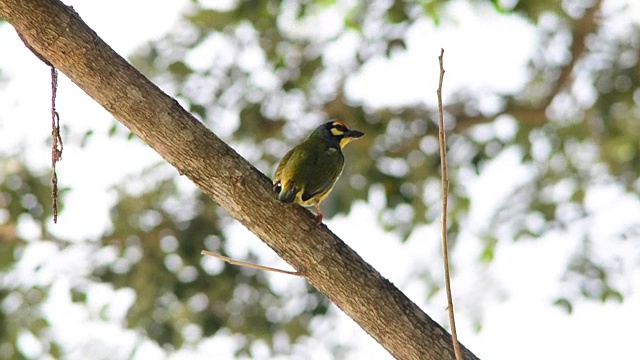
(58, 34)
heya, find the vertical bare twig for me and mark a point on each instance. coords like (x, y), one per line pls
(445, 195)
(56, 144)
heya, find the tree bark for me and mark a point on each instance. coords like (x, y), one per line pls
(57, 33)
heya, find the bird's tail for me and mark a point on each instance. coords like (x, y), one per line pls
(288, 195)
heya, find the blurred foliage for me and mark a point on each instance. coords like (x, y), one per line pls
(155, 241)
(159, 246)
(24, 193)
(267, 77)
(260, 69)
(258, 74)
(25, 200)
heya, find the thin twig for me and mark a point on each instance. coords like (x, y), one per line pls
(56, 144)
(247, 264)
(445, 196)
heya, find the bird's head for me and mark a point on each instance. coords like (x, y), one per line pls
(337, 133)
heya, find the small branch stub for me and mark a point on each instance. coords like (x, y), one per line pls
(247, 264)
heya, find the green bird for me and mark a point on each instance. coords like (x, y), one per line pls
(307, 173)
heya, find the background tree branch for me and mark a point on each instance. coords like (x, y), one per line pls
(534, 114)
(58, 34)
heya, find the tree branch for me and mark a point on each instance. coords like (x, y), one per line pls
(535, 116)
(58, 34)
(580, 30)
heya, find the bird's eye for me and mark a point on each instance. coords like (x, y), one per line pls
(340, 127)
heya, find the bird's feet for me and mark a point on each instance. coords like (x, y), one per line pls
(319, 215)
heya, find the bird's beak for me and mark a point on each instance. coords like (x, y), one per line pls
(349, 136)
(354, 134)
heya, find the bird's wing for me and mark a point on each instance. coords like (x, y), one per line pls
(324, 174)
(277, 176)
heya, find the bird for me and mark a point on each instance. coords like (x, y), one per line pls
(307, 173)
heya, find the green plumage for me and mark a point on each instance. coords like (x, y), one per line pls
(311, 169)
(308, 172)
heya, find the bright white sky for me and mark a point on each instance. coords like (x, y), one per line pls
(521, 325)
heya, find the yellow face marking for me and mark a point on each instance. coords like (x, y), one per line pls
(338, 128)
(336, 132)
(345, 141)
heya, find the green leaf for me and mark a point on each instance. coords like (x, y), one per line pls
(207, 19)
(113, 129)
(397, 13)
(180, 69)
(199, 110)
(85, 138)
(564, 304)
(612, 294)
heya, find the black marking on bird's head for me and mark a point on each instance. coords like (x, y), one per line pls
(337, 133)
